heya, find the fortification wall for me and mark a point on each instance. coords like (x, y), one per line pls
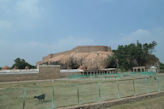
(62, 53)
(79, 49)
(46, 58)
(92, 48)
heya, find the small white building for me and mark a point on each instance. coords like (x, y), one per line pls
(152, 69)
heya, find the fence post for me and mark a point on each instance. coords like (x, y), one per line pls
(134, 87)
(158, 84)
(147, 85)
(24, 98)
(118, 76)
(99, 86)
(78, 95)
(118, 89)
(53, 104)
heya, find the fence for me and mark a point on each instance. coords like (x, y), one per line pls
(65, 93)
(113, 75)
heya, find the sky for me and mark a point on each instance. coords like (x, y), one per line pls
(32, 29)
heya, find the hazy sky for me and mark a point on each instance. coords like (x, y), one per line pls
(31, 29)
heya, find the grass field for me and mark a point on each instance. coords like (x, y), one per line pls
(73, 92)
(153, 103)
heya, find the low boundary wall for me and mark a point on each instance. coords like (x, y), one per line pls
(69, 72)
(106, 104)
(45, 72)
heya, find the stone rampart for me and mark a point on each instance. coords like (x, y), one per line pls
(46, 58)
(92, 49)
(79, 49)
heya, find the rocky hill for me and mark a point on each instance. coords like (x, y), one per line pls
(81, 57)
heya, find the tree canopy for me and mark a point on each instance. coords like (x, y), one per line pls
(21, 64)
(128, 56)
(161, 67)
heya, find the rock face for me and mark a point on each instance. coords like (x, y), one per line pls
(81, 57)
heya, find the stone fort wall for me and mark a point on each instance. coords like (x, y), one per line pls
(79, 49)
(92, 49)
(53, 55)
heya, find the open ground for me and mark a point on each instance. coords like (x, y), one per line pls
(69, 92)
(153, 103)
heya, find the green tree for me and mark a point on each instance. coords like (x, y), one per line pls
(21, 64)
(131, 55)
(112, 62)
(161, 67)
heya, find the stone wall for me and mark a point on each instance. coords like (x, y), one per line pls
(18, 77)
(49, 71)
(46, 58)
(91, 48)
(79, 49)
(45, 72)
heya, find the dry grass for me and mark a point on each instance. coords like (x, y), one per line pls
(65, 92)
(153, 103)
